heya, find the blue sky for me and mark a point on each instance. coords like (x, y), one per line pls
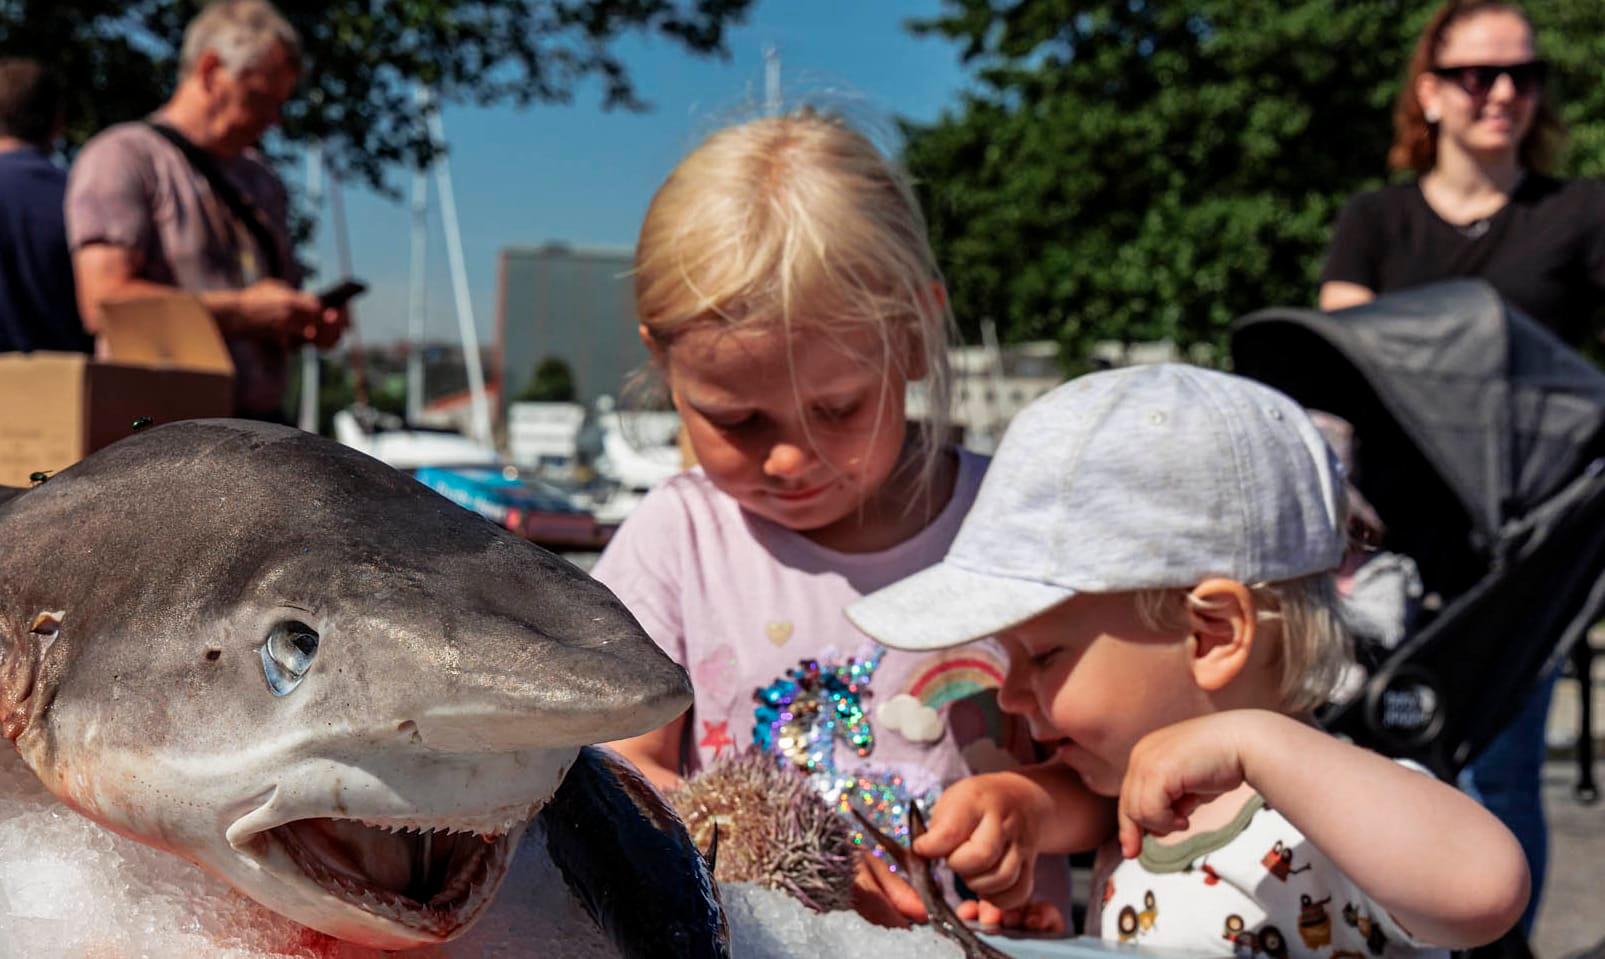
(582, 175)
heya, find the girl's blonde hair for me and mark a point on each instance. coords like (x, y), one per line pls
(799, 222)
(1313, 645)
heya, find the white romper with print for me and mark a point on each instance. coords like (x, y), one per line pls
(1254, 889)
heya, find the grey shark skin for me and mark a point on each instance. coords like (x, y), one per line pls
(436, 676)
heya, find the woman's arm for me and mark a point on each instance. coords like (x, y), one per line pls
(1341, 294)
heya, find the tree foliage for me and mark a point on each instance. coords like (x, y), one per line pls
(119, 59)
(552, 382)
(1153, 169)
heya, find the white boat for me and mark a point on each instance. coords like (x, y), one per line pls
(639, 449)
(388, 440)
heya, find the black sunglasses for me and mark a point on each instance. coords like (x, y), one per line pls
(1477, 80)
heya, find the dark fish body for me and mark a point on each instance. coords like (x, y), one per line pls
(628, 858)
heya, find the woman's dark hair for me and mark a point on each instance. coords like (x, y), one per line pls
(1415, 142)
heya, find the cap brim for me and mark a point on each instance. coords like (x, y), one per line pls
(946, 605)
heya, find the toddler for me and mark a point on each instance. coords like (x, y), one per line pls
(1153, 547)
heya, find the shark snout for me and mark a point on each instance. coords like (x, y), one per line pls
(574, 696)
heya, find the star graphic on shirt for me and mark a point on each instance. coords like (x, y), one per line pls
(716, 736)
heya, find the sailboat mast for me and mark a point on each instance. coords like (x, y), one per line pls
(415, 294)
(459, 281)
(308, 417)
(771, 81)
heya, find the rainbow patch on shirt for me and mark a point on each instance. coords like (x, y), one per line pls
(953, 678)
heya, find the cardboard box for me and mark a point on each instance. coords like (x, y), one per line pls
(160, 357)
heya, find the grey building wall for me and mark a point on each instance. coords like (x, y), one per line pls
(573, 303)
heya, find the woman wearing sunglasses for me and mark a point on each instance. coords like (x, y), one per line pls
(1473, 124)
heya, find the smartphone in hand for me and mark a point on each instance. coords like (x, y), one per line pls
(341, 293)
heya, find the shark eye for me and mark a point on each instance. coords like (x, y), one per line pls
(287, 655)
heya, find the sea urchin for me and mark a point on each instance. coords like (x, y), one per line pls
(774, 829)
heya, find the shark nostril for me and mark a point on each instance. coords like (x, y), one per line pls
(213, 654)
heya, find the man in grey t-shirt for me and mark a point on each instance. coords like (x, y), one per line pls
(143, 220)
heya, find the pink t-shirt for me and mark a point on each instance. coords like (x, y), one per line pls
(754, 613)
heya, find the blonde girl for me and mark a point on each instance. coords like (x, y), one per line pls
(788, 297)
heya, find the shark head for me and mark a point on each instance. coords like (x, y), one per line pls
(306, 673)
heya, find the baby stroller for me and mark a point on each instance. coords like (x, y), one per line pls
(1481, 445)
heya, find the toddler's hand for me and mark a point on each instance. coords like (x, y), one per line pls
(987, 828)
(1035, 916)
(1174, 770)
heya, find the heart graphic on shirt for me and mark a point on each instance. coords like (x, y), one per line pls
(778, 633)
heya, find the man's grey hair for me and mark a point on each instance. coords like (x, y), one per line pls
(240, 32)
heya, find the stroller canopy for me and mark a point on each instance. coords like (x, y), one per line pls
(1472, 399)
(1478, 437)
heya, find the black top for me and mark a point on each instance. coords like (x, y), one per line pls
(1544, 251)
(38, 307)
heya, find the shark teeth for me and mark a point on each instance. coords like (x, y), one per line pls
(488, 826)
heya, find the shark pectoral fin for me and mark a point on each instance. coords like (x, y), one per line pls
(629, 860)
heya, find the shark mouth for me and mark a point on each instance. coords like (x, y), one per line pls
(433, 877)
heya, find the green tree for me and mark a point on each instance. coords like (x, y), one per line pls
(119, 59)
(553, 382)
(1153, 169)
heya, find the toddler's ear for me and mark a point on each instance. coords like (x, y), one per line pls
(1221, 621)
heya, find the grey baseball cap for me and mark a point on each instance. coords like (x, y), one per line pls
(1143, 477)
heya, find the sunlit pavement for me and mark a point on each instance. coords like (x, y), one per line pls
(1572, 918)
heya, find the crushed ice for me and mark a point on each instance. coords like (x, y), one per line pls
(69, 888)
